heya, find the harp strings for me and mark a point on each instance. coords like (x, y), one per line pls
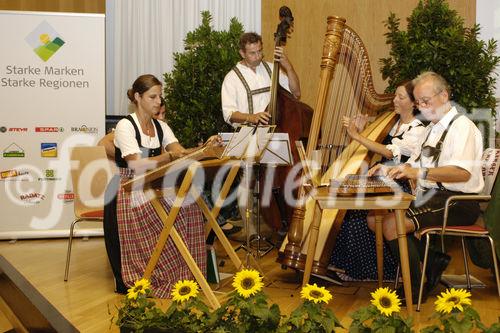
(346, 97)
(331, 125)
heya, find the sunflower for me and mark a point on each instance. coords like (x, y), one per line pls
(140, 287)
(386, 301)
(315, 294)
(184, 290)
(132, 294)
(451, 299)
(247, 282)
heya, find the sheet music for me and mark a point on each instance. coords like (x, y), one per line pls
(276, 149)
(247, 142)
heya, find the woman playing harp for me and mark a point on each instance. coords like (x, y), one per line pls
(345, 89)
(354, 251)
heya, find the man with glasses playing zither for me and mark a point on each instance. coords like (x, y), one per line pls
(448, 163)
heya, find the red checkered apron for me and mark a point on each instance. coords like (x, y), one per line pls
(139, 228)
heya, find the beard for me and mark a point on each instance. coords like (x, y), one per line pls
(427, 113)
(435, 115)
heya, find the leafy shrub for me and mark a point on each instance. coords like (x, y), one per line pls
(437, 40)
(192, 89)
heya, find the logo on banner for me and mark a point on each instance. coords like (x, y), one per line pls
(48, 149)
(66, 197)
(13, 150)
(44, 40)
(33, 197)
(50, 174)
(12, 173)
(18, 129)
(85, 129)
(4, 129)
(49, 129)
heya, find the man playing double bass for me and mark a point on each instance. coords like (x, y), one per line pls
(246, 90)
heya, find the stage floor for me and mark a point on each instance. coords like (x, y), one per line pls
(88, 302)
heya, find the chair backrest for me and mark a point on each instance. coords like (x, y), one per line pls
(490, 164)
(90, 174)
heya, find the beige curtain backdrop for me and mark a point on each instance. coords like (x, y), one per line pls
(142, 36)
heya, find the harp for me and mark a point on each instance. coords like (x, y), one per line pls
(345, 89)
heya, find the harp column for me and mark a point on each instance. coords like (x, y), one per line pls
(329, 59)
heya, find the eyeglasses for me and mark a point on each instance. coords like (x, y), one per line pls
(425, 101)
(255, 53)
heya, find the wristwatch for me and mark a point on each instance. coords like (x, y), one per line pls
(423, 173)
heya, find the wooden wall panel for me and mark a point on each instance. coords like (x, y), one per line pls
(364, 16)
(75, 6)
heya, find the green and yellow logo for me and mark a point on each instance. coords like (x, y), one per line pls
(45, 41)
(13, 150)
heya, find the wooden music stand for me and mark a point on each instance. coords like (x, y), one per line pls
(168, 218)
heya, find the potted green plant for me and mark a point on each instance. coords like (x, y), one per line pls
(437, 40)
(187, 312)
(138, 312)
(192, 89)
(455, 313)
(382, 315)
(247, 308)
(311, 315)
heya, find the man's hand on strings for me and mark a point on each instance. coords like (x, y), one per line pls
(280, 56)
(403, 171)
(261, 118)
(286, 65)
(378, 170)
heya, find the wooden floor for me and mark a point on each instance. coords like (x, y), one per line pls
(88, 302)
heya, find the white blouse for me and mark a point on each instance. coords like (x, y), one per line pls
(409, 142)
(128, 145)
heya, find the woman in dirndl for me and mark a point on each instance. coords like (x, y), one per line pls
(354, 250)
(142, 143)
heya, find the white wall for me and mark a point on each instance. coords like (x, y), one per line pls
(488, 17)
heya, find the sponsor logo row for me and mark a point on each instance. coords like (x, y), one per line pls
(17, 175)
(36, 197)
(49, 129)
(47, 149)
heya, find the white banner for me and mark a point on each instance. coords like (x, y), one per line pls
(52, 93)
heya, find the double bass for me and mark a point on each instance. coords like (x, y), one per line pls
(290, 116)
